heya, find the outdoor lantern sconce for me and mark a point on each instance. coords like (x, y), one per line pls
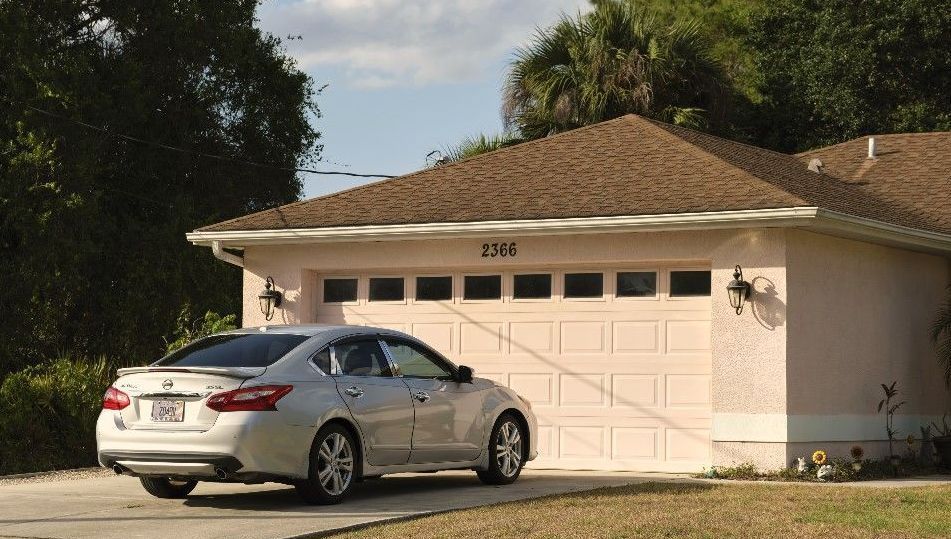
(270, 298)
(738, 290)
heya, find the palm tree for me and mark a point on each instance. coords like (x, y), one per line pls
(614, 60)
(472, 146)
(941, 337)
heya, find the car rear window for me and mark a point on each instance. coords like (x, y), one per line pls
(233, 350)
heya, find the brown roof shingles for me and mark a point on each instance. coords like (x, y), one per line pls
(626, 166)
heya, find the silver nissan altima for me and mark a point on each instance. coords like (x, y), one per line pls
(318, 407)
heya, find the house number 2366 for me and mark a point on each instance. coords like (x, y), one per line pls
(493, 250)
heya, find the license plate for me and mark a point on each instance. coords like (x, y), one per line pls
(168, 411)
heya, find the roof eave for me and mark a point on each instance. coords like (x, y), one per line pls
(807, 217)
(797, 216)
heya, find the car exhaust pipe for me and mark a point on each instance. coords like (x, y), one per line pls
(222, 474)
(117, 469)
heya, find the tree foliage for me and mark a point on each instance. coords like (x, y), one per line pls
(833, 70)
(480, 144)
(92, 224)
(189, 330)
(617, 59)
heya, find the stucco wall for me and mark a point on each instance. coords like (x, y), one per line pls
(858, 317)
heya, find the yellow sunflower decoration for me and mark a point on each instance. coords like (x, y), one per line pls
(819, 457)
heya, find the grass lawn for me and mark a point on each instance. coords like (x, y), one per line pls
(697, 510)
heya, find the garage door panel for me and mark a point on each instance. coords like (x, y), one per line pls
(688, 390)
(689, 336)
(637, 391)
(634, 443)
(581, 442)
(481, 338)
(636, 336)
(436, 334)
(582, 390)
(583, 337)
(691, 445)
(536, 387)
(531, 338)
(616, 384)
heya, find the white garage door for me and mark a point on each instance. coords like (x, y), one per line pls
(616, 361)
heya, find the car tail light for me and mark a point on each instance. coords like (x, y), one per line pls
(114, 399)
(248, 399)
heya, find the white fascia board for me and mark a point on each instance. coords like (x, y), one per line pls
(799, 216)
(807, 217)
(850, 226)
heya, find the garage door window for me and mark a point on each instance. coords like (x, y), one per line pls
(636, 284)
(433, 288)
(386, 289)
(532, 286)
(340, 290)
(689, 283)
(584, 285)
(482, 287)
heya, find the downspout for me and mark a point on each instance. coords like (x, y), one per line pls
(221, 254)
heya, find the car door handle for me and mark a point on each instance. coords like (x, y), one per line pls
(354, 392)
(421, 396)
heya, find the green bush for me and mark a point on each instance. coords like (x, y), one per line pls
(189, 330)
(48, 415)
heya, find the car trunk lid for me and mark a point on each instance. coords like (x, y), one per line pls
(173, 398)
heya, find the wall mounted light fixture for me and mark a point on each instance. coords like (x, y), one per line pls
(269, 298)
(738, 290)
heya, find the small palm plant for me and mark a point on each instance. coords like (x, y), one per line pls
(890, 393)
(941, 337)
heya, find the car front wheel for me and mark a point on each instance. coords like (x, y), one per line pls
(332, 466)
(506, 454)
(161, 487)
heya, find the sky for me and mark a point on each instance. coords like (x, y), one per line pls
(404, 77)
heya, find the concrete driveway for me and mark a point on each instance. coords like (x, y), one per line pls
(104, 507)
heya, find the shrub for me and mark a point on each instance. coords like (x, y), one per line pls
(48, 415)
(189, 330)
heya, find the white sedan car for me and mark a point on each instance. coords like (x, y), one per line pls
(318, 407)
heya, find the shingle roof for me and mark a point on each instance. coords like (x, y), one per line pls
(627, 166)
(911, 171)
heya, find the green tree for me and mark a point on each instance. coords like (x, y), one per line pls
(617, 59)
(480, 144)
(941, 337)
(833, 70)
(92, 224)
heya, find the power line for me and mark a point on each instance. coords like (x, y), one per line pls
(201, 154)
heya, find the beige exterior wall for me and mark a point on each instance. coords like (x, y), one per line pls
(859, 315)
(829, 320)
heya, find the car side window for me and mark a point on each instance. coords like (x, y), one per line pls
(413, 361)
(321, 360)
(361, 358)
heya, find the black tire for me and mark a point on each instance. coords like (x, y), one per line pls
(504, 468)
(328, 480)
(162, 487)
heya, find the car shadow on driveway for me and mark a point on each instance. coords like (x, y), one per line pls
(400, 493)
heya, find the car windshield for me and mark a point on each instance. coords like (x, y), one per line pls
(233, 350)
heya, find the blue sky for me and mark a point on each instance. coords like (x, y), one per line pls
(404, 77)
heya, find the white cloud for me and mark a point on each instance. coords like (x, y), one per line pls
(379, 43)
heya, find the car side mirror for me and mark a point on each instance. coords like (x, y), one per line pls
(464, 375)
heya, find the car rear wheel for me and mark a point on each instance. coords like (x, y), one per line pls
(506, 452)
(162, 487)
(332, 467)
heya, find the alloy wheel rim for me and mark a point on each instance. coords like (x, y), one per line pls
(335, 464)
(508, 449)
